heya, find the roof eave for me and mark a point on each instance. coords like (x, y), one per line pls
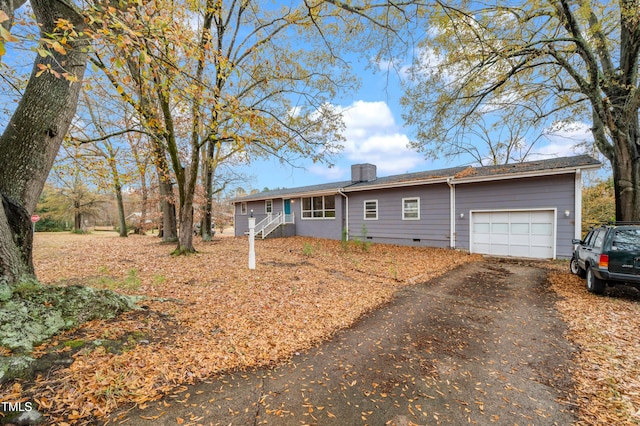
(533, 173)
(429, 181)
(397, 184)
(288, 195)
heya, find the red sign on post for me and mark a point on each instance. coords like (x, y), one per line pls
(35, 218)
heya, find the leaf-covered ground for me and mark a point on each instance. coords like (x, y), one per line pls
(606, 329)
(207, 312)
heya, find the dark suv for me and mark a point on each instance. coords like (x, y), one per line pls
(610, 255)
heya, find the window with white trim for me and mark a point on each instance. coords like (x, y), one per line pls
(323, 207)
(371, 210)
(268, 206)
(243, 208)
(411, 208)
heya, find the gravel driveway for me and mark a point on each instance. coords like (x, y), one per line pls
(481, 345)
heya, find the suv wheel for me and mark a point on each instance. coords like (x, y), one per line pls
(594, 285)
(575, 268)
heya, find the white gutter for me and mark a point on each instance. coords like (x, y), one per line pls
(469, 179)
(346, 214)
(452, 210)
(394, 185)
(428, 181)
(536, 173)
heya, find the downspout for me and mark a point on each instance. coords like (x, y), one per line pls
(452, 213)
(577, 227)
(346, 215)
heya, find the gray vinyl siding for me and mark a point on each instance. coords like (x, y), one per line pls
(552, 192)
(259, 212)
(330, 228)
(432, 229)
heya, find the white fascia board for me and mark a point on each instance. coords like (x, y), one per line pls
(443, 179)
(290, 195)
(536, 173)
(470, 179)
(397, 184)
(310, 194)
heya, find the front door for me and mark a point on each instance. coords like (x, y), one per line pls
(287, 206)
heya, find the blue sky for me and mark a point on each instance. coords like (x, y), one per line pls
(375, 133)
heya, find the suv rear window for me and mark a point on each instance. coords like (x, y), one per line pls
(599, 238)
(587, 239)
(627, 240)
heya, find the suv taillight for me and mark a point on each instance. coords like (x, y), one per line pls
(604, 261)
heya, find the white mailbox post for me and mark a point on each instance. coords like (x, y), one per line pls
(252, 237)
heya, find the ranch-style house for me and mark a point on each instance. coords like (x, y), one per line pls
(531, 209)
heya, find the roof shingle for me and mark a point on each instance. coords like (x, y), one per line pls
(455, 173)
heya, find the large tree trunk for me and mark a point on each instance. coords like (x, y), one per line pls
(32, 137)
(121, 216)
(208, 175)
(626, 178)
(16, 241)
(185, 238)
(618, 109)
(77, 221)
(168, 207)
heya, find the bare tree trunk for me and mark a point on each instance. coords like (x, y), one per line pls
(121, 216)
(77, 221)
(208, 174)
(32, 137)
(168, 207)
(185, 237)
(626, 178)
(16, 242)
(190, 176)
(143, 209)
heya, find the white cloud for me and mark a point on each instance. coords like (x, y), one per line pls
(566, 140)
(372, 136)
(368, 115)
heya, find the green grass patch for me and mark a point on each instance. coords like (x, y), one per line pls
(75, 343)
(131, 282)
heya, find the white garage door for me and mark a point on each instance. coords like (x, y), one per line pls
(514, 233)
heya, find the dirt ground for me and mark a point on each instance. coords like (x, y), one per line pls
(480, 345)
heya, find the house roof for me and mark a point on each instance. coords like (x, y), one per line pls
(455, 175)
(325, 188)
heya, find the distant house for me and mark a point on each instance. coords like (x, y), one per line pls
(530, 209)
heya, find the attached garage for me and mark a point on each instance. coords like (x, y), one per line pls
(530, 210)
(519, 233)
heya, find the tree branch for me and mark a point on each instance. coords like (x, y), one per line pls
(79, 141)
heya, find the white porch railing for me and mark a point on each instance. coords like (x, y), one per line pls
(271, 226)
(271, 223)
(260, 225)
